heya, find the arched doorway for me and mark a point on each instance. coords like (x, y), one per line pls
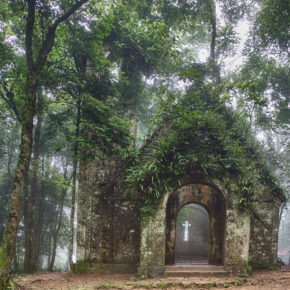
(192, 235)
(211, 200)
(228, 230)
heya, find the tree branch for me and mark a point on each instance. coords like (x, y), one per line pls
(29, 33)
(8, 97)
(50, 36)
(75, 7)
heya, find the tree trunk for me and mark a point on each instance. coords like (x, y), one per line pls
(213, 56)
(29, 258)
(11, 152)
(15, 261)
(1, 229)
(58, 225)
(49, 245)
(39, 223)
(9, 240)
(74, 183)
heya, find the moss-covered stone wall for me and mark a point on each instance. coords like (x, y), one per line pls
(108, 224)
(264, 231)
(237, 241)
(152, 247)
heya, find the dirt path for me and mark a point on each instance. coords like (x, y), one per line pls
(263, 279)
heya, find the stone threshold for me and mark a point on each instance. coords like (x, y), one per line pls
(196, 270)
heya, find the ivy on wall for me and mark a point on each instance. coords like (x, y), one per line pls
(202, 136)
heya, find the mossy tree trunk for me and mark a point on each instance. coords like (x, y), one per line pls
(9, 240)
(29, 258)
(40, 214)
(35, 64)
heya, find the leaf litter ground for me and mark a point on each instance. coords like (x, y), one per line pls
(262, 279)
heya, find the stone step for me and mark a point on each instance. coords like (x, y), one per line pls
(187, 260)
(195, 270)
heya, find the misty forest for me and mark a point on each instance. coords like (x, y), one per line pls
(95, 80)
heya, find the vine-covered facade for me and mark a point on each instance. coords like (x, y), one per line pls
(116, 233)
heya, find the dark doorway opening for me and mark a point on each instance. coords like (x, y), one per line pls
(211, 205)
(192, 235)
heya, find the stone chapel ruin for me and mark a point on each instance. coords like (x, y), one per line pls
(199, 222)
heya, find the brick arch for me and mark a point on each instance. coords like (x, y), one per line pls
(207, 196)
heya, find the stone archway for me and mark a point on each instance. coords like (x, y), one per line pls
(229, 229)
(213, 201)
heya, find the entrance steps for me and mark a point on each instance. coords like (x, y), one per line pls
(195, 270)
(190, 260)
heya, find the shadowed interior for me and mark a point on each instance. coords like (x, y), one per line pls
(210, 233)
(192, 235)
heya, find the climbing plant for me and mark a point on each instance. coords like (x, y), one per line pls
(202, 136)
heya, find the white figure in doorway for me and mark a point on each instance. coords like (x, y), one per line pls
(186, 226)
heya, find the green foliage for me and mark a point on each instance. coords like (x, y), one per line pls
(271, 80)
(5, 31)
(201, 138)
(106, 286)
(273, 267)
(272, 25)
(104, 126)
(7, 15)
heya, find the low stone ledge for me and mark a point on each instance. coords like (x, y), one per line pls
(90, 267)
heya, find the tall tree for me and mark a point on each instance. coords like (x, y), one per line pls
(35, 61)
(29, 259)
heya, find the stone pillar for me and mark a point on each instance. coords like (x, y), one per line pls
(152, 247)
(237, 241)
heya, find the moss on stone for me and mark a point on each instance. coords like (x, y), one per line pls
(90, 267)
(238, 267)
